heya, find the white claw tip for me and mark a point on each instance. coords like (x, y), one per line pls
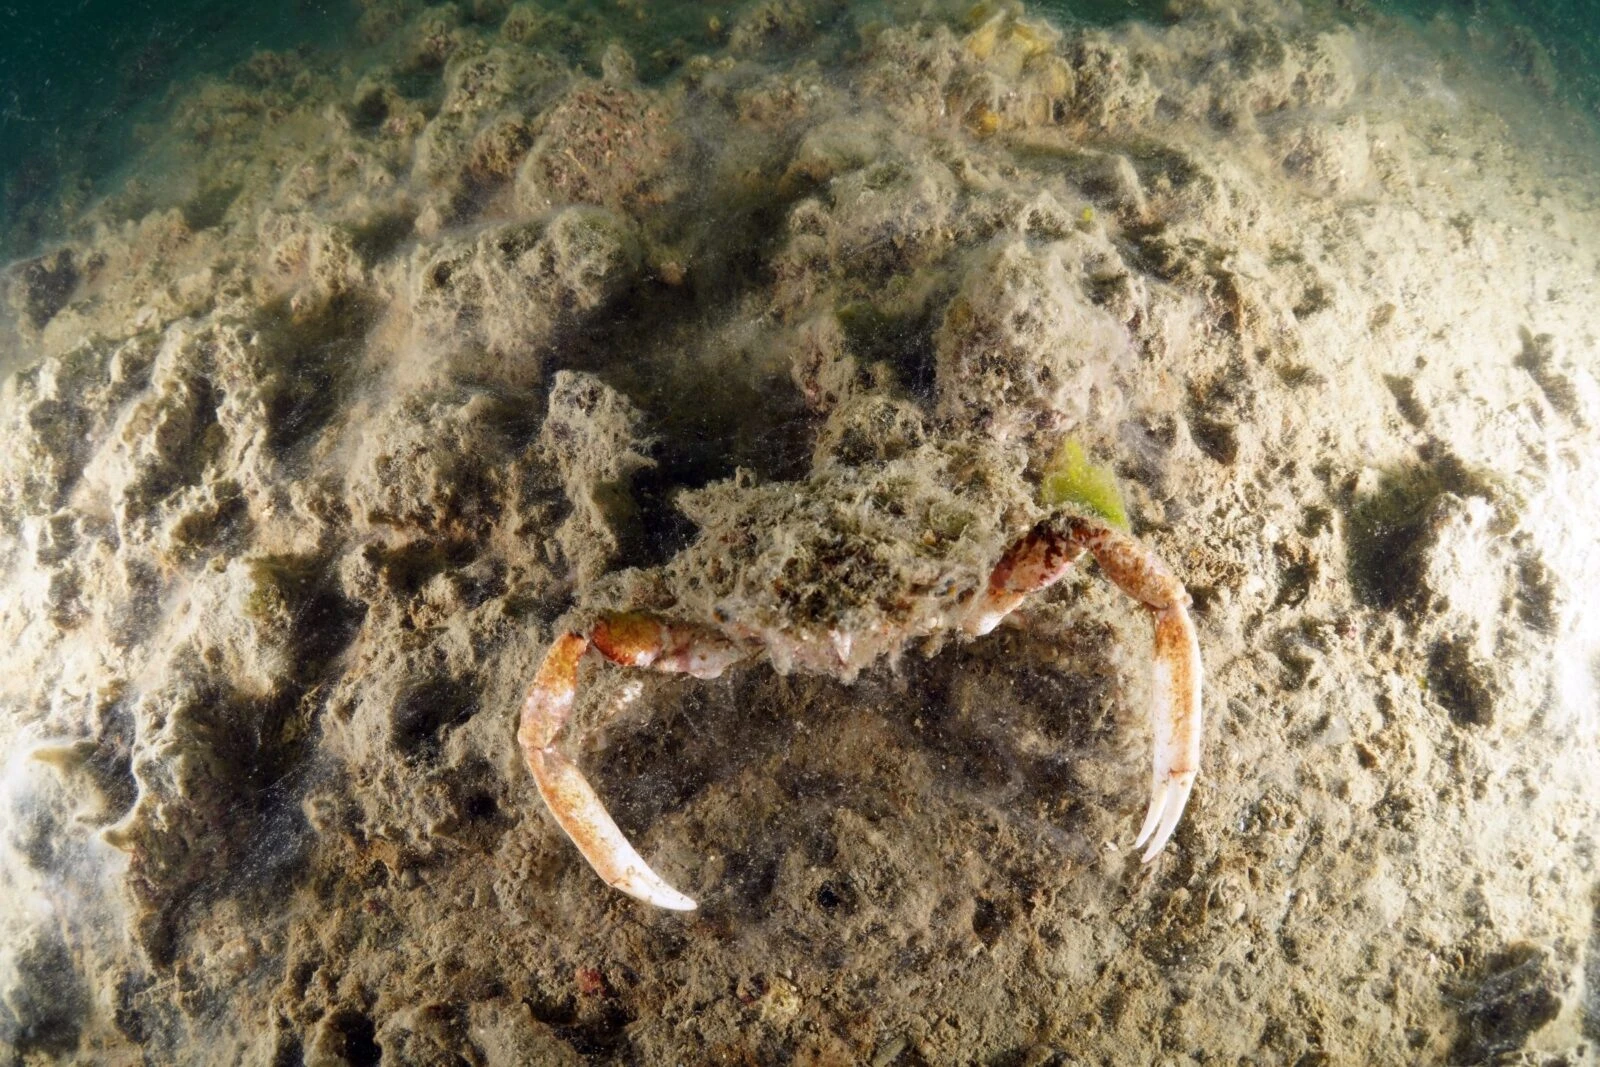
(1166, 808)
(651, 888)
(676, 902)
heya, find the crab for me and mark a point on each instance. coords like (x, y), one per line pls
(921, 541)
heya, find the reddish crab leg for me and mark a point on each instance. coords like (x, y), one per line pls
(1041, 558)
(1037, 560)
(632, 641)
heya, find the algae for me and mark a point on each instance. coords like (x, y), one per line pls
(1072, 478)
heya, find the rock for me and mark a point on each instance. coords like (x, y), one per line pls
(378, 367)
(596, 439)
(1514, 994)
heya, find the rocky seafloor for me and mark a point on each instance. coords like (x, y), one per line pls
(370, 373)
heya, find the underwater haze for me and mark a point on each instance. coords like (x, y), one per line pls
(77, 81)
(903, 533)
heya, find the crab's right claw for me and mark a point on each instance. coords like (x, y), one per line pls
(571, 799)
(573, 802)
(1175, 721)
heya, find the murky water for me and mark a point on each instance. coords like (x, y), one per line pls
(989, 422)
(77, 84)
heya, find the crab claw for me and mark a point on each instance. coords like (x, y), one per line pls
(578, 809)
(1175, 716)
(1039, 560)
(1175, 720)
(570, 797)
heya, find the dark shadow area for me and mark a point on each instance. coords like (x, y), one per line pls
(595, 1028)
(1386, 526)
(315, 359)
(1591, 974)
(46, 1002)
(712, 412)
(424, 711)
(358, 1038)
(1501, 1002)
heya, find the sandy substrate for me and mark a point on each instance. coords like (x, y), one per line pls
(372, 377)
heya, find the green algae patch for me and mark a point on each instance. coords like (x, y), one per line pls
(1073, 478)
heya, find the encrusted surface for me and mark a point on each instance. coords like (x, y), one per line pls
(375, 371)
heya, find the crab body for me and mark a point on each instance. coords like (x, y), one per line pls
(830, 574)
(855, 563)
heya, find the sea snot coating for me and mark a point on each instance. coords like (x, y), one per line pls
(371, 371)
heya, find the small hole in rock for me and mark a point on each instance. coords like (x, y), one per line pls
(361, 1048)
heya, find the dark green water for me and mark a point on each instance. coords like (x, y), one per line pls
(76, 79)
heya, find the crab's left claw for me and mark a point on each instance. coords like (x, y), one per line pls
(1175, 685)
(1175, 719)
(1040, 559)
(570, 797)
(1175, 716)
